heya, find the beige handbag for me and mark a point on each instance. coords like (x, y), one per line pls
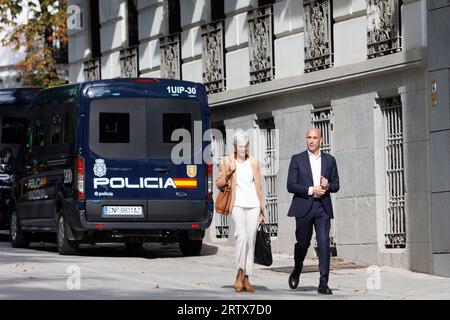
(223, 200)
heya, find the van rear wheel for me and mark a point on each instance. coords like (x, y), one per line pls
(190, 247)
(65, 246)
(19, 238)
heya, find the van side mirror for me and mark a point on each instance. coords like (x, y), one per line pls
(6, 156)
(6, 159)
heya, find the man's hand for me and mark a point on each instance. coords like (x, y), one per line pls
(319, 191)
(324, 183)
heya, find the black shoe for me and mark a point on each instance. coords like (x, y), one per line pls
(324, 289)
(294, 277)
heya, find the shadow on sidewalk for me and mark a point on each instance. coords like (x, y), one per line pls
(335, 264)
(148, 251)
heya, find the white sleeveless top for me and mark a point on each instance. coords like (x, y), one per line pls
(246, 195)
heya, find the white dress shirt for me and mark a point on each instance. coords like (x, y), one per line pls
(316, 167)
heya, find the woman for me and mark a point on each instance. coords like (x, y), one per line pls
(247, 206)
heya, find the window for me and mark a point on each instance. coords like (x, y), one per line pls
(395, 223)
(114, 127)
(174, 16)
(38, 138)
(217, 10)
(262, 3)
(95, 28)
(218, 145)
(138, 128)
(13, 130)
(133, 27)
(182, 115)
(174, 121)
(270, 145)
(322, 118)
(66, 128)
(55, 131)
(117, 128)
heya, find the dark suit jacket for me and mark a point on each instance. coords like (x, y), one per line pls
(300, 179)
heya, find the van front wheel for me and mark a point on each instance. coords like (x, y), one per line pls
(19, 238)
(190, 247)
(65, 246)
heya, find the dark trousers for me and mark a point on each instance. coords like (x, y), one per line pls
(318, 218)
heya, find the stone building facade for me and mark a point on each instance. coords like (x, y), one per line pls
(360, 70)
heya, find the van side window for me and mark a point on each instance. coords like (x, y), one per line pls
(58, 131)
(114, 127)
(66, 128)
(13, 130)
(55, 131)
(173, 121)
(39, 133)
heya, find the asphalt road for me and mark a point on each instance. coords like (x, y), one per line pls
(111, 271)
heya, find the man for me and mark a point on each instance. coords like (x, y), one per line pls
(312, 176)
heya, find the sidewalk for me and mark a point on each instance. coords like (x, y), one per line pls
(349, 280)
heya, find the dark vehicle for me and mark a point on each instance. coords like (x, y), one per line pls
(14, 106)
(99, 166)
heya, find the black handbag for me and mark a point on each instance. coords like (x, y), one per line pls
(263, 248)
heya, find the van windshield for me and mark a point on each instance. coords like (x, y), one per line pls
(140, 128)
(13, 130)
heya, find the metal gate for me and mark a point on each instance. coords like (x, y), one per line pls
(322, 119)
(395, 226)
(218, 149)
(269, 144)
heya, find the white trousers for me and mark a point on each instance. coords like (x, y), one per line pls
(246, 224)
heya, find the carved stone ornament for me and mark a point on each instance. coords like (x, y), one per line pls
(170, 57)
(318, 35)
(129, 63)
(213, 57)
(261, 44)
(92, 70)
(383, 27)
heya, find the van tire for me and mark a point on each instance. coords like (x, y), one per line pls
(190, 247)
(65, 246)
(18, 237)
(134, 245)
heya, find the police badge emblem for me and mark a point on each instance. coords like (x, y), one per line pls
(100, 168)
(191, 171)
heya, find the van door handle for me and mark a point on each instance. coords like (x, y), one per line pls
(161, 170)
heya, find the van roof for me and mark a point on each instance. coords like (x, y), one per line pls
(22, 95)
(137, 81)
(67, 93)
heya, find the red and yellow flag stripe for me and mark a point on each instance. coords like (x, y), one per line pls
(185, 182)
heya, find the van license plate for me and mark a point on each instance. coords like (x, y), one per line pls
(122, 211)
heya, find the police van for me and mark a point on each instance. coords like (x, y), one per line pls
(14, 106)
(102, 166)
